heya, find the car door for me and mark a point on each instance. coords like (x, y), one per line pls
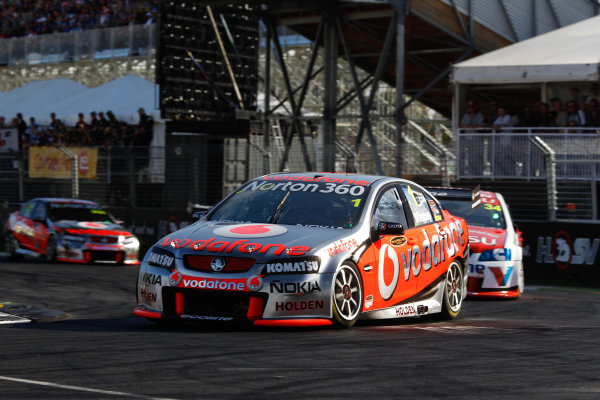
(422, 224)
(437, 239)
(23, 228)
(387, 284)
(41, 232)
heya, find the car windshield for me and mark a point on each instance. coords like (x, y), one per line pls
(78, 212)
(315, 204)
(486, 215)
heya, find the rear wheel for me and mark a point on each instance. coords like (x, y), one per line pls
(453, 291)
(346, 296)
(12, 245)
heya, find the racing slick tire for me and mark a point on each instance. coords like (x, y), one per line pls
(51, 249)
(346, 297)
(453, 291)
(11, 247)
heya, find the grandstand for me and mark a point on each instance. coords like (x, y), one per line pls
(95, 45)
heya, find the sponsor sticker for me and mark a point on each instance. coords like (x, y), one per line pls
(406, 311)
(148, 295)
(291, 266)
(151, 279)
(175, 278)
(299, 305)
(161, 258)
(206, 317)
(240, 245)
(250, 230)
(398, 241)
(294, 287)
(369, 301)
(315, 185)
(255, 283)
(342, 246)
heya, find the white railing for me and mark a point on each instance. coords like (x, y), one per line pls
(509, 153)
(94, 44)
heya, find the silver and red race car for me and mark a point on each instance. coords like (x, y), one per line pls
(310, 249)
(496, 262)
(69, 230)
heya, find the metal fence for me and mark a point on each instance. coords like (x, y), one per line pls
(125, 176)
(511, 154)
(88, 45)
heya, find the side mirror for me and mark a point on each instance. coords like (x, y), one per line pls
(199, 215)
(386, 228)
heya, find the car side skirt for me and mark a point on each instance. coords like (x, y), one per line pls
(417, 308)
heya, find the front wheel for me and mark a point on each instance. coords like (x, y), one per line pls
(12, 245)
(346, 296)
(453, 291)
(51, 249)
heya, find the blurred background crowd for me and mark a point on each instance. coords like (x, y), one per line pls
(37, 17)
(99, 129)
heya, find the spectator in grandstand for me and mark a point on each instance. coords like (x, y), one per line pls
(503, 120)
(19, 124)
(102, 120)
(527, 117)
(112, 120)
(21, 17)
(592, 116)
(544, 116)
(42, 138)
(575, 116)
(55, 123)
(145, 127)
(31, 131)
(472, 118)
(560, 115)
(493, 112)
(109, 137)
(80, 121)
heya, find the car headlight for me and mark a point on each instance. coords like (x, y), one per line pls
(129, 241)
(495, 255)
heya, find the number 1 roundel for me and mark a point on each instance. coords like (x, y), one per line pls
(250, 230)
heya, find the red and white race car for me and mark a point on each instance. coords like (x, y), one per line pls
(69, 230)
(496, 261)
(310, 249)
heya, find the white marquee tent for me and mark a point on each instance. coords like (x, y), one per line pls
(568, 54)
(66, 98)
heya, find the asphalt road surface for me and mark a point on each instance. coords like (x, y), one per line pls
(545, 345)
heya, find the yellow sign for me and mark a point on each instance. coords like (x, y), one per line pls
(50, 162)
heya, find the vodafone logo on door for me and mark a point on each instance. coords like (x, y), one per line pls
(250, 230)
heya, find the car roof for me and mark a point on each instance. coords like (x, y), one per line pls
(64, 200)
(366, 180)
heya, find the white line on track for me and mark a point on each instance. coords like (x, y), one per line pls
(80, 388)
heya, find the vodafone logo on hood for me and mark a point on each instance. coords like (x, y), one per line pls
(482, 239)
(250, 230)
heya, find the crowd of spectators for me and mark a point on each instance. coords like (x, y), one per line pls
(37, 17)
(579, 111)
(99, 129)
